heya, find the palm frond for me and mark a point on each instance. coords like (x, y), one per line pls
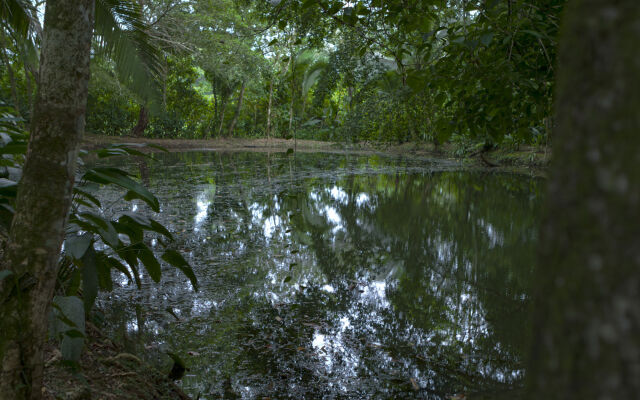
(16, 16)
(124, 37)
(312, 75)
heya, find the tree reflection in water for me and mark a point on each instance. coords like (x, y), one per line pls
(336, 276)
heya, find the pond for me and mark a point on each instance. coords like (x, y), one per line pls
(337, 276)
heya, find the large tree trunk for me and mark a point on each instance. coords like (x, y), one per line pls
(587, 320)
(236, 114)
(44, 196)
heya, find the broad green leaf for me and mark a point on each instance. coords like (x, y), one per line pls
(118, 177)
(68, 315)
(103, 268)
(77, 245)
(149, 261)
(97, 224)
(147, 223)
(133, 231)
(175, 259)
(115, 264)
(89, 278)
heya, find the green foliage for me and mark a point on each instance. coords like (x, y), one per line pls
(373, 70)
(185, 110)
(110, 107)
(95, 244)
(472, 68)
(67, 324)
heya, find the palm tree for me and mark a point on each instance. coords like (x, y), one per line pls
(30, 263)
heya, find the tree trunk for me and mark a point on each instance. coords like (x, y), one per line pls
(255, 118)
(143, 122)
(236, 114)
(291, 115)
(44, 196)
(269, 109)
(293, 92)
(222, 111)
(587, 318)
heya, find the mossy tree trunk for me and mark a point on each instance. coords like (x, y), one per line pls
(44, 196)
(587, 319)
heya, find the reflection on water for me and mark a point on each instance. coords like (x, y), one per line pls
(333, 276)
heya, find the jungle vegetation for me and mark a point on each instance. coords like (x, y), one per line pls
(395, 70)
(384, 71)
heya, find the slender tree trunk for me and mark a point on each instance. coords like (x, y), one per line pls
(143, 122)
(236, 114)
(587, 318)
(269, 105)
(44, 196)
(291, 115)
(214, 88)
(255, 118)
(222, 111)
(165, 69)
(293, 92)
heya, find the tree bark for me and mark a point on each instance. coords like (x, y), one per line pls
(236, 114)
(269, 105)
(44, 196)
(291, 114)
(587, 316)
(222, 112)
(255, 118)
(143, 122)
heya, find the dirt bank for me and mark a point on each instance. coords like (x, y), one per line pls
(106, 372)
(502, 157)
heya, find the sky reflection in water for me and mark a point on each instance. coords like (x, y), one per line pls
(337, 276)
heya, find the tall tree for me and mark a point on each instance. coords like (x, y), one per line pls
(44, 196)
(236, 114)
(587, 321)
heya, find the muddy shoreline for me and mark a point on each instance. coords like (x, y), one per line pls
(503, 158)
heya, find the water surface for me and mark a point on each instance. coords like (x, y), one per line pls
(337, 276)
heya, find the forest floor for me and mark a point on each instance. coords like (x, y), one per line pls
(508, 157)
(107, 372)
